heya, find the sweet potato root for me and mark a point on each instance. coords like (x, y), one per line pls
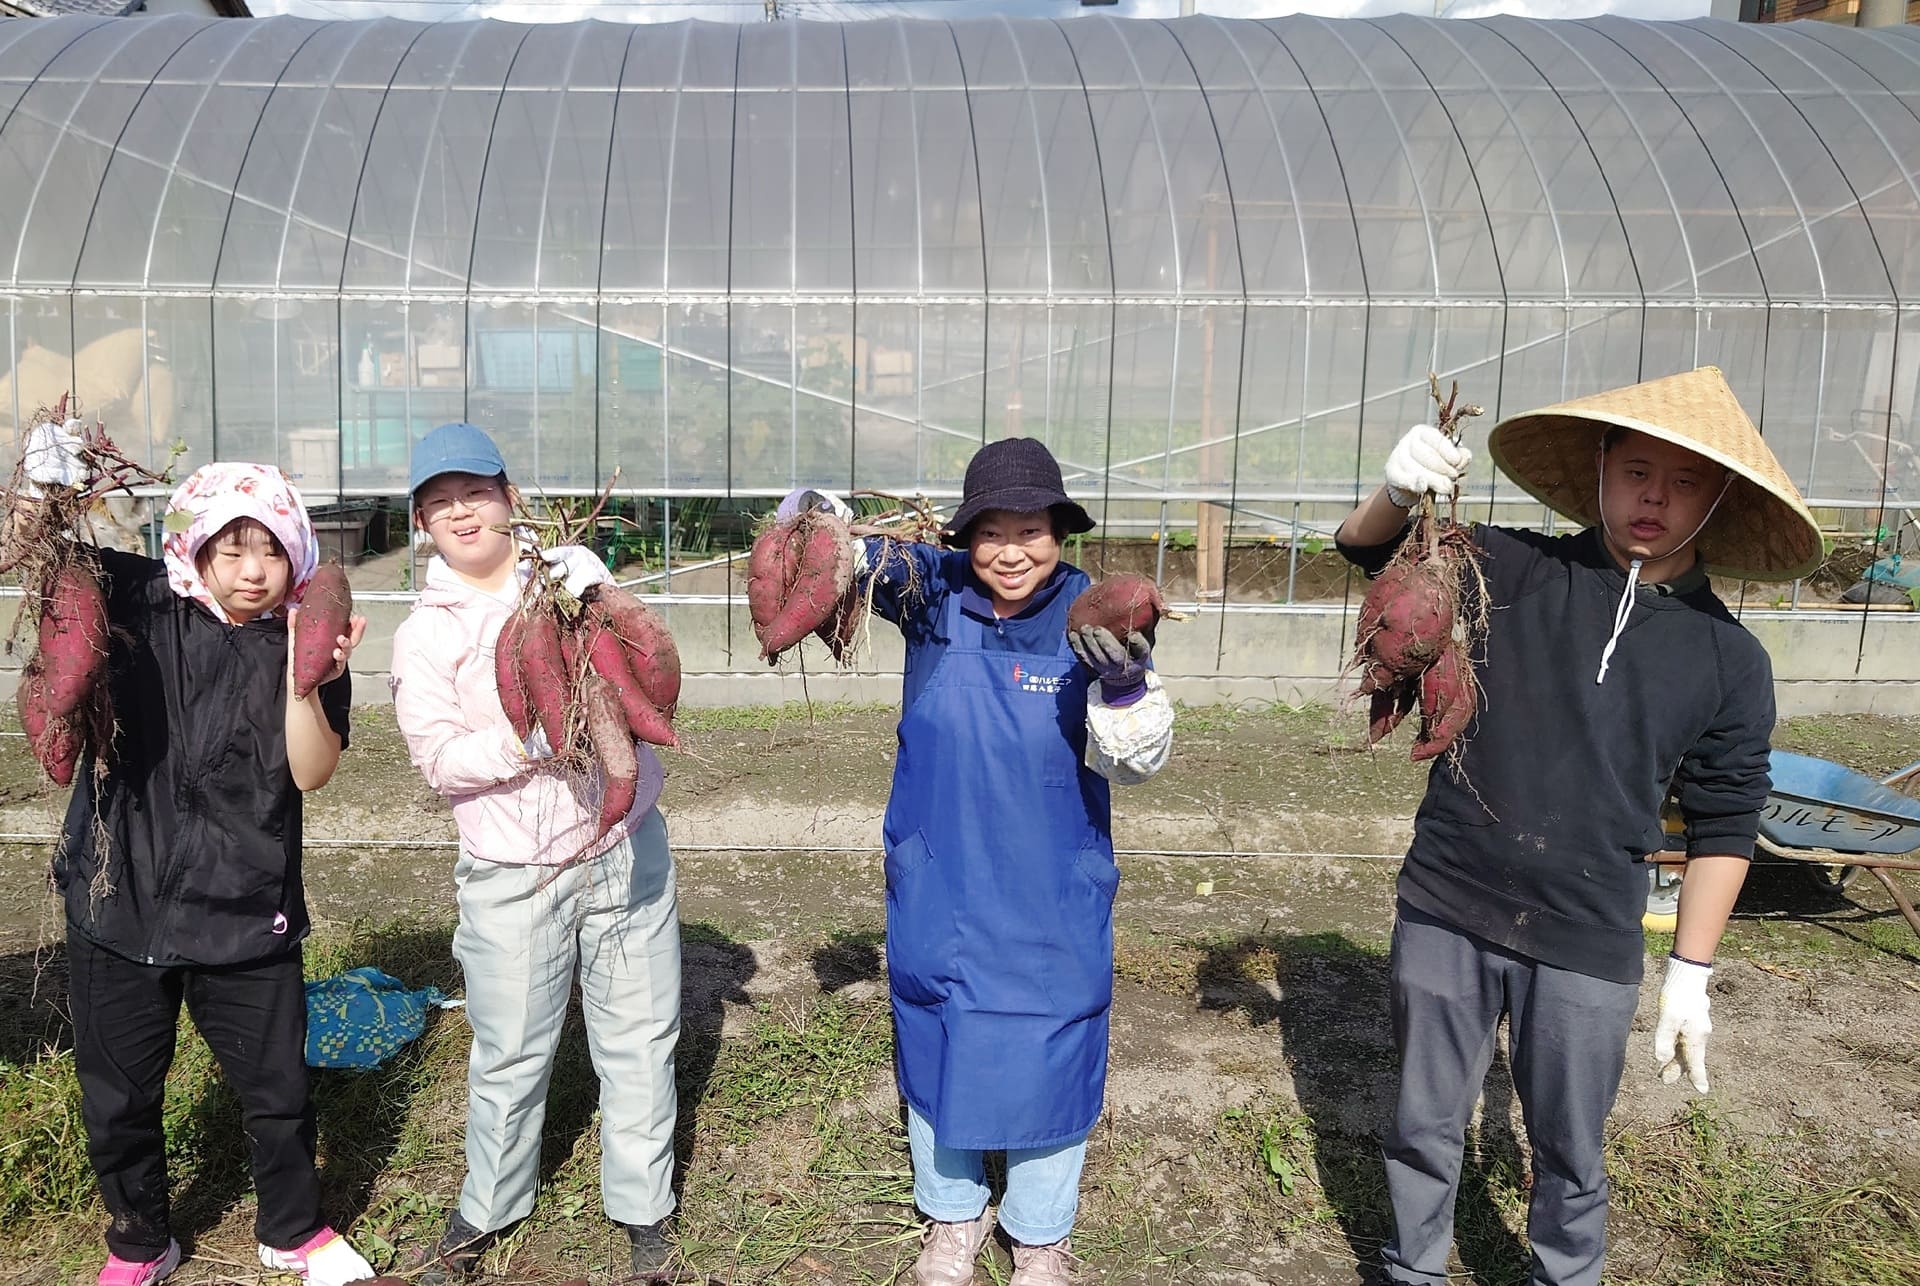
(1449, 698)
(325, 611)
(651, 653)
(55, 741)
(613, 747)
(545, 676)
(612, 664)
(72, 655)
(841, 631)
(1407, 617)
(506, 673)
(1122, 604)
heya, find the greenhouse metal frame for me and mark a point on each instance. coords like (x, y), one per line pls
(1211, 262)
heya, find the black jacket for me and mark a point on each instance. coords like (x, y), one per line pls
(1534, 839)
(199, 819)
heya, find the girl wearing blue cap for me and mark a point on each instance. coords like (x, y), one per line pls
(532, 915)
(1000, 936)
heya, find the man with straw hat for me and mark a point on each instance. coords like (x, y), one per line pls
(1611, 674)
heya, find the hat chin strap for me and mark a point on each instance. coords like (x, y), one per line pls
(1625, 609)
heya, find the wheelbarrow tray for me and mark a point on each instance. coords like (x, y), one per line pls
(1816, 804)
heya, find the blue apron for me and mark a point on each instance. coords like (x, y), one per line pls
(1000, 884)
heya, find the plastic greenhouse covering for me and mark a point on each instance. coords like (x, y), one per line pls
(1204, 259)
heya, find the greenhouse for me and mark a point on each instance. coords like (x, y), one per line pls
(1210, 262)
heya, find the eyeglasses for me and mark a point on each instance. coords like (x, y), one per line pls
(439, 507)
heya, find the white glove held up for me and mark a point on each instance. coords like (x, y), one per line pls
(576, 568)
(53, 454)
(1683, 1024)
(1425, 460)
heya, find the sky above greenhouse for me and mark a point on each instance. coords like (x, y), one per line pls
(831, 10)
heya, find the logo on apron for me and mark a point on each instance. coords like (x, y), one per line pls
(1027, 681)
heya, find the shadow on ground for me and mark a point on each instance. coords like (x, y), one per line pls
(1330, 998)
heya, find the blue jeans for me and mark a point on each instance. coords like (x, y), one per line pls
(1043, 1184)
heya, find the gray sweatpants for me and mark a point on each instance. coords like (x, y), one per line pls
(1567, 1044)
(522, 938)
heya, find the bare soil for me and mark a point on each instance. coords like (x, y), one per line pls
(1252, 998)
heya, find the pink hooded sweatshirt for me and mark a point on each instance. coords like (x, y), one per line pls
(509, 809)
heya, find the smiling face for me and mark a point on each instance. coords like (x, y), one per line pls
(1654, 498)
(461, 511)
(1013, 555)
(245, 569)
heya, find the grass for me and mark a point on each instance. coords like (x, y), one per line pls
(1729, 1210)
(794, 1164)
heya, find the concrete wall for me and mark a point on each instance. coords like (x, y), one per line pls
(1290, 654)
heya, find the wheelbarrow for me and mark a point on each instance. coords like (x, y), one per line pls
(1835, 821)
(1843, 822)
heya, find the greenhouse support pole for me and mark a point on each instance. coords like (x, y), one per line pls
(1209, 524)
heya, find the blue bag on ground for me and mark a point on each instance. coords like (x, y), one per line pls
(363, 1017)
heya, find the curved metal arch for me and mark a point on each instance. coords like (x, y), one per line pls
(1786, 184)
(173, 169)
(128, 35)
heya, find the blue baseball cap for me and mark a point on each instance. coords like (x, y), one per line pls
(454, 448)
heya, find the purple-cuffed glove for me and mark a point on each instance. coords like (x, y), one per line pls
(1122, 667)
(803, 498)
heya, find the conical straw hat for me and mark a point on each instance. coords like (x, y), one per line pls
(1761, 529)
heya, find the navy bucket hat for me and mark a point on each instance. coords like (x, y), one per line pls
(1019, 475)
(454, 448)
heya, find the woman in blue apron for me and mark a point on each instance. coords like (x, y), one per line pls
(999, 867)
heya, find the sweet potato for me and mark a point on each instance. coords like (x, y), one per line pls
(651, 653)
(1407, 616)
(55, 741)
(544, 676)
(823, 574)
(1449, 698)
(73, 640)
(325, 612)
(772, 565)
(1123, 604)
(613, 747)
(612, 663)
(1389, 706)
(506, 673)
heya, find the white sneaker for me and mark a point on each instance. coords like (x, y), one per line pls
(326, 1259)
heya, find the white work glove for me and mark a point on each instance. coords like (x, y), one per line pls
(804, 498)
(575, 568)
(1683, 1022)
(1426, 460)
(536, 747)
(53, 454)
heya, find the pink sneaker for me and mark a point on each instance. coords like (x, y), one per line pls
(1043, 1265)
(125, 1272)
(325, 1259)
(947, 1254)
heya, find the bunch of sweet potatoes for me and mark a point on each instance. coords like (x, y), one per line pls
(592, 680)
(800, 581)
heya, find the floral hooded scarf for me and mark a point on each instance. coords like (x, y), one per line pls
(214, 496)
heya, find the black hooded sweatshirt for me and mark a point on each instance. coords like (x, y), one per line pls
(198, 816)
(1533, 839)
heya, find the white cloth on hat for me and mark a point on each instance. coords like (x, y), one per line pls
(215, 495)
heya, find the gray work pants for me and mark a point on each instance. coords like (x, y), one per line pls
(1567, 1043)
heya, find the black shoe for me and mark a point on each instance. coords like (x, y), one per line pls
(456, 1258)
(654, 1258)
